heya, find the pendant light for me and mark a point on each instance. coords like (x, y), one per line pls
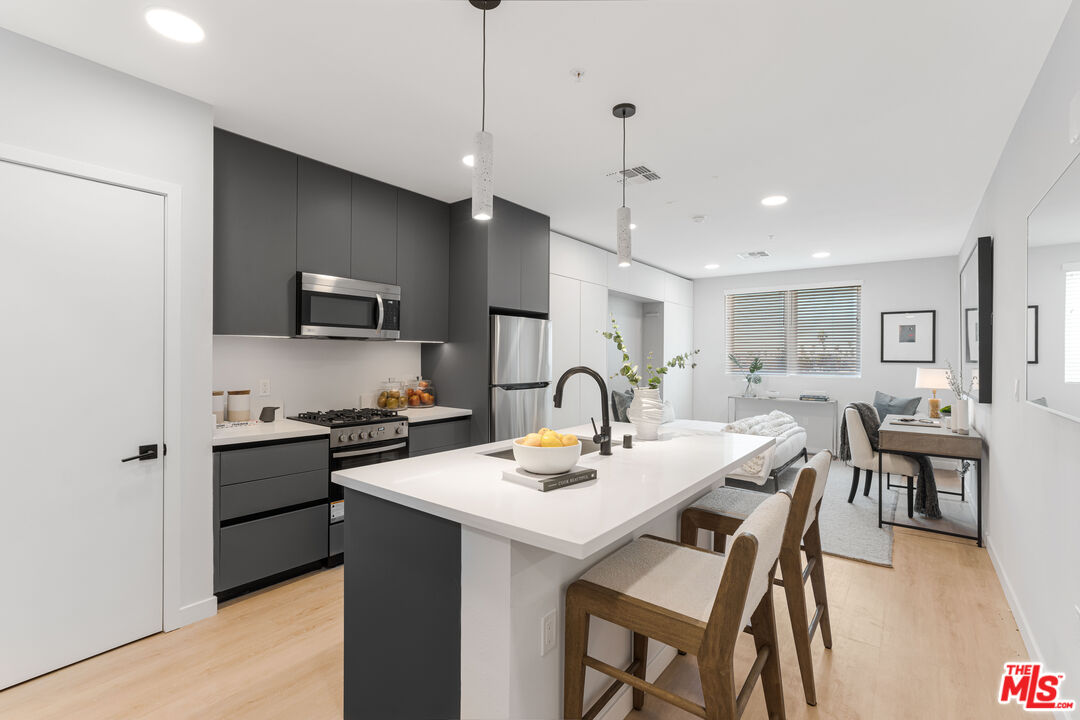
(622, 215)
(483, 178)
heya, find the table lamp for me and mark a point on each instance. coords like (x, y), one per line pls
(932, 379)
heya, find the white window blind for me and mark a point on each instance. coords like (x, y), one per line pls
(1072, 326)
(811, 331)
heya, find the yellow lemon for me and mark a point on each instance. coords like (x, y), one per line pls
(532, 436)
(568, 440)
(531, 441)
(550, 441)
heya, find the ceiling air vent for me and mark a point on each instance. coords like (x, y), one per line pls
(753, 255)
(635, 176)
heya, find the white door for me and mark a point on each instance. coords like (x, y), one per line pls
(81, 387)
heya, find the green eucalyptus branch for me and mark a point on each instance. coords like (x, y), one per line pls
(656, 373)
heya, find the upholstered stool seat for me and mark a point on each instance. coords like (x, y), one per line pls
(733, 502)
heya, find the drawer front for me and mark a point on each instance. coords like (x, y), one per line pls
(337, 538)
(424, 439)
(257, 496)
(255, 463)
(254, 550)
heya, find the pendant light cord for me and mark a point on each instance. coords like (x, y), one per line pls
(624, 161)
(483, 75)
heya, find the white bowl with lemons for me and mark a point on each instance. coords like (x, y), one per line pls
(547, 452)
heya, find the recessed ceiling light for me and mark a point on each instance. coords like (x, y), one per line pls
(174, 25)
(821, 255)
(469, 160)
(712, 266)
(774, 200)
(633, 226)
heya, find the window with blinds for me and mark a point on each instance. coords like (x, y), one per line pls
(1072, 326)
(811, 331)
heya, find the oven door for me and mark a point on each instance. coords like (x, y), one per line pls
(328, 306)
(345, 458)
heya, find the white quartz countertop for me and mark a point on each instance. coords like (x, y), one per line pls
(632, 487)
(281, 429)
(419, 416)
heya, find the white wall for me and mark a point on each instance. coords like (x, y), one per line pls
(1032, 490)
(930, 284)
(310, 374)
(60, 104)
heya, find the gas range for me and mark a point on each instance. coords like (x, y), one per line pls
(355, 427)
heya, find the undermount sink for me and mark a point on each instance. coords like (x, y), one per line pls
(587, 446)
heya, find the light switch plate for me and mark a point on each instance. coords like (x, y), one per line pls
(548, 634)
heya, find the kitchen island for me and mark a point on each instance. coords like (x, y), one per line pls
(452, 570)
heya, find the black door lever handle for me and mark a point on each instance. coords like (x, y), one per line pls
(146, 452)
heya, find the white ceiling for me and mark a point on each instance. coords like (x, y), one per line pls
(882, 121)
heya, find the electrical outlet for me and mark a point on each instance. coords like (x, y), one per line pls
(1077, 609)
(264, 387)
(548, 636)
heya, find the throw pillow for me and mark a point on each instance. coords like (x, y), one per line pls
(886, 404)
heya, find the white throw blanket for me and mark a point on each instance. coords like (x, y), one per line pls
(776, 424)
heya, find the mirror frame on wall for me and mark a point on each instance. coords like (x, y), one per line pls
(1074, 163)
(983, 252)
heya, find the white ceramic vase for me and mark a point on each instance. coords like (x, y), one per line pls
(960, 422)
(646, 412)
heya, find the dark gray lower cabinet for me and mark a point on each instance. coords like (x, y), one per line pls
(438, 436)
(260, 548)
(270, 510)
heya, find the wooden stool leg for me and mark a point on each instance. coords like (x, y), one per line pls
(576, 644)
(688, 531)
(763, 625)
(641, 657)
(869, 479)
(718, 687)
(791, 569)
(719, 541)
(812, 540)
(854, 484)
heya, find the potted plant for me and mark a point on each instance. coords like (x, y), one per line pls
(753, 372)
(959, 408)
(646, 411)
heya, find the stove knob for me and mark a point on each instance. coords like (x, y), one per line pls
(363, 434)
(400, 430)
(352, 436)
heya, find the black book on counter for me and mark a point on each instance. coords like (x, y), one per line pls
(543, 483)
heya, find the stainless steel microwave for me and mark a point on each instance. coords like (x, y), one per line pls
(328, 306)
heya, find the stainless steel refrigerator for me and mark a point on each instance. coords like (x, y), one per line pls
(520, 376)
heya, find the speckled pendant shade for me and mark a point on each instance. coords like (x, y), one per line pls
(622, 222)
(483, 177)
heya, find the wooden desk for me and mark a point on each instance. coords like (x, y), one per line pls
(936, 442)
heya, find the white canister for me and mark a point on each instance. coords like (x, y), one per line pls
(960, 420)
(646, 412)
(239, 405)
(219, 406)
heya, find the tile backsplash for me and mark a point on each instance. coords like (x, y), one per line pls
(309, 374)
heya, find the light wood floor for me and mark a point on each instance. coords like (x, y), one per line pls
(926, 639)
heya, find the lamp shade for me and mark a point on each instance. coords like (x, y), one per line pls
(931, 379)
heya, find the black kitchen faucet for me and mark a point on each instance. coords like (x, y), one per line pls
(603, 437)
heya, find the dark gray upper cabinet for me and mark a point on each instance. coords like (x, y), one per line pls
(324, 219)
(518, 240)
(423, 261)
(254, 237)
(374, 231)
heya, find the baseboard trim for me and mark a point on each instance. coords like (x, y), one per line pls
(191, 613)
(623, 702)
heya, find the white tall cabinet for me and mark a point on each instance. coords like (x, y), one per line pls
(581, 277)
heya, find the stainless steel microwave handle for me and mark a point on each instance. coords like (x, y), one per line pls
(370, 451)
(378, 297)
